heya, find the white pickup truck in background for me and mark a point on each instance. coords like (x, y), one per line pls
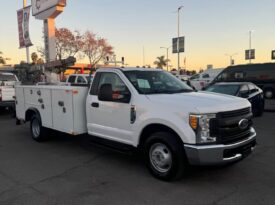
(79, 79)
(202, 80)
(148, 109)
(7, 90)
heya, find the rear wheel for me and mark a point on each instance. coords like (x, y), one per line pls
(165, 157)
(38, 132)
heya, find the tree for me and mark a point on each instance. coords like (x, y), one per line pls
(96, 48)
(161, 62)
(34, 57)
(2, 59)
(40, 61)
(68, 43)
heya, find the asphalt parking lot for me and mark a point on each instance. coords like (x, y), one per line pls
(67, 171)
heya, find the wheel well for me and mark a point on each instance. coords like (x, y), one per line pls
(153, 128)
(30, 113)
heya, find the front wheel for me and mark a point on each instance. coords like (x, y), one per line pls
(165, 156)
(38, 132)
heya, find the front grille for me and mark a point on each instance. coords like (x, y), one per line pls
(234, 113)
(226, 126)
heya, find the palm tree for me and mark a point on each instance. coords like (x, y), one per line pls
(2, 59)
(161, 62)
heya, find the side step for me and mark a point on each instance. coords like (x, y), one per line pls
(111, 145)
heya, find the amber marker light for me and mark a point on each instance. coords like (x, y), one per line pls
(193, 121)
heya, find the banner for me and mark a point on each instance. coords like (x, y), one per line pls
(23, 17)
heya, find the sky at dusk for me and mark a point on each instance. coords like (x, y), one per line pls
(212, 28)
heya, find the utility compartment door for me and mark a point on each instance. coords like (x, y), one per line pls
(63, 116)
(40, 99)
(20, 103)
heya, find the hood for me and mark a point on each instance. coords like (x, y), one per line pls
(201, 102)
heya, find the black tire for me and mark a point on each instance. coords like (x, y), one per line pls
(38, 132)
(163, 145)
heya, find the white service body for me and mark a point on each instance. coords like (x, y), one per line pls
(61, 108)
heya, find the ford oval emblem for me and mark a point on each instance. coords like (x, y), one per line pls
(243, 124)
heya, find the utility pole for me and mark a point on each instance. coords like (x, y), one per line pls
(27, 48)
(143, 50)
(167, 55)
(250, 42)
(178, 41)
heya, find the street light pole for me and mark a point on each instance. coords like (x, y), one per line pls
(27, 48)
(178, 41)
(167, 55)
(250, 42)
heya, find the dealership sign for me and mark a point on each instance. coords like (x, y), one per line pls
(39, 6)
(23, 16)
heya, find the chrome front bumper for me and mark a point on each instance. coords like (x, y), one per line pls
(220, 154)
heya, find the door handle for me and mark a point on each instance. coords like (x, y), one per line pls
(95, 105)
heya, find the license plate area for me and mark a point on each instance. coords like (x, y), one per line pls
(245, 150)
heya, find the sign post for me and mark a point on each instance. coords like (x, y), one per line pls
(48, 10)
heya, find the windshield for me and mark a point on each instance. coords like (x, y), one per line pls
(4, 77)
(224, 89)
(156, 82)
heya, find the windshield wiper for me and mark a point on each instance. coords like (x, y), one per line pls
(182, 91)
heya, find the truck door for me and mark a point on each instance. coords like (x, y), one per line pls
(109, 119)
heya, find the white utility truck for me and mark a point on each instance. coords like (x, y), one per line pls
(148, 109)
(7, 91)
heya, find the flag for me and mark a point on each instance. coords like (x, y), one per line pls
(23, 16)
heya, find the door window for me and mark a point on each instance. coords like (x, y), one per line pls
(72, 79)
(119, 89)
(206, 76)
(80, 79)
(244, 91)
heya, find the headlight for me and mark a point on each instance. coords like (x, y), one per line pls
(200, 123)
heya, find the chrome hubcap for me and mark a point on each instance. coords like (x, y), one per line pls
(160, 157)
(35, 128)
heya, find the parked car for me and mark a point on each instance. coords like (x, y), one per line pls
(82, 79)
(7, 91)
(201, 80)
(262, 75)
(246, 90)
(145, 109)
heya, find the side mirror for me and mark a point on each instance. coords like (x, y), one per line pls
(105, 93)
